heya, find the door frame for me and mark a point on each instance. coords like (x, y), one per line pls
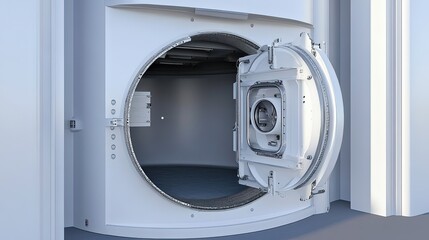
(52, 118)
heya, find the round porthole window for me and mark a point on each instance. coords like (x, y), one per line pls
(265, 116)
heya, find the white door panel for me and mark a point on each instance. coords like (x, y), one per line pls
(289, 119)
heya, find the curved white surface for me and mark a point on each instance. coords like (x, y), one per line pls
(111, 194)
(235, 9)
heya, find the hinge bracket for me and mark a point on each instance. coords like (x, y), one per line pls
(271, 184)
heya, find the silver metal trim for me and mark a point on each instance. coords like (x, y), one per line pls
(279, 85)
(324, 102)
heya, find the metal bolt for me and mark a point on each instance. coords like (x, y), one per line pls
(113, 111)
(309, 157)
(113, 146)
(113, 136)
(113, 102)
(113, 156)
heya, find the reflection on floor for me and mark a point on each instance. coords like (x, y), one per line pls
(192, 182)
(202, 187)
(340, 223)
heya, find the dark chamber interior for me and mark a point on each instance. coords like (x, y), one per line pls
(187, 153)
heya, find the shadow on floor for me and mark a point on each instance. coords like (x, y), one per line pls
(340, 223)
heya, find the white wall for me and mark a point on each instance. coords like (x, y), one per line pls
(415, 109)
(68, 114)
(20, 164)
(371, 182)
(390, 107)
(31, 120)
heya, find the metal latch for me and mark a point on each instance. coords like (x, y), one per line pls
(115, 122)
(317, 44)
(318, 192)
(74, 125)
(313, 187)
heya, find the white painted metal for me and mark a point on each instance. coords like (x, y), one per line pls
(110, 192)
(121, 176)
(303, 122)
(232, 9)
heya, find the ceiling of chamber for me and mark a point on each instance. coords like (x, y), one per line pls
(212, 53)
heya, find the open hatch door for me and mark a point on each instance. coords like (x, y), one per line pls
(289, 118)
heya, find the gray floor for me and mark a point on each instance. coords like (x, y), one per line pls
(194, 182)
(339, 223)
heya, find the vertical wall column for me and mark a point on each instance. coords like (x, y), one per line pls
(390, 111)
(371, 168)
(415, 108)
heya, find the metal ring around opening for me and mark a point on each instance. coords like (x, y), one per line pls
(325, 117)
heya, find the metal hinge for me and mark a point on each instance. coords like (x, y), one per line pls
(271, 187)
(275, 43)
(313, 187)
(318, 192)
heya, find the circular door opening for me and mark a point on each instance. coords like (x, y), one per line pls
(183, 145)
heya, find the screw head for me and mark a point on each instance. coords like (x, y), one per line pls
(113, 102)
(113, 147)
(113, 111)
(113, 156)
(113, 136)
(309, 157)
